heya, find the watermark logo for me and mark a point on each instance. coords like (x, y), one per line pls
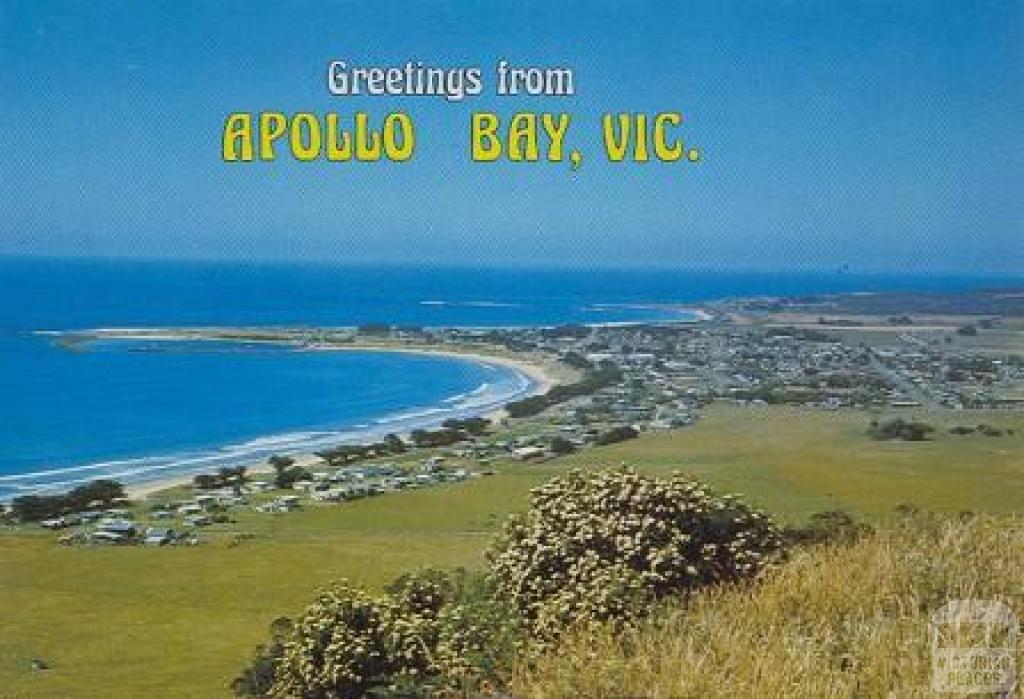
(974, 645)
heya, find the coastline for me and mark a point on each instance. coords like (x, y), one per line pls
(534, 375)
(538, 373)
(539, 376)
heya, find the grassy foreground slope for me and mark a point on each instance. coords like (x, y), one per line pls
(181, 622)
(836, 621)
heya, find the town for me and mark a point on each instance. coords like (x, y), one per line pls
(615, 384)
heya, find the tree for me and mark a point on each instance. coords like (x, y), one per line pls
(898, 428)
(617, 434)
(562, 446)
(473, 425)
(205, 481)
(280, 462)
(576, 360)
(96, 494)
(394, 443)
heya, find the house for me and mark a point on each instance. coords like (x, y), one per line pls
(105, 537)
(55, 523)
(114, 531)
(197, 521)
(285, 503)
(190, 509)
(158, 536)
(120, 527)
(524, 453)
(289, 502)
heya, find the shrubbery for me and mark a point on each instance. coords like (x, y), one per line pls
(95, 495)
(592, 547)
(471, 425)
(601, 545)
(347, 643)
(348, 453)
(225, 477)
(594, 381)
(898, 428)
(622, 433)
(562, 446)
(847, 620)
(830, 527)
(431, 633)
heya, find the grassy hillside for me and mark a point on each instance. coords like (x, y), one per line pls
(134, 621)
(835, 621)
(117, 622)
(793, 462)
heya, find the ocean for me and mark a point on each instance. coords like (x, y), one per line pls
(150, 410)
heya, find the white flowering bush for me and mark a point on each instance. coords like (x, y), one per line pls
(593, 547)
(432, 634)
(602, 545)
(347, 643)
(477, 641)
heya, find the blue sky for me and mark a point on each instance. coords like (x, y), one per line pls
(879, 135)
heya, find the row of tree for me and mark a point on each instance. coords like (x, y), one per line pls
(607, 375)
(98, 494)
(348, 453)
(226, 476)
(452, 431)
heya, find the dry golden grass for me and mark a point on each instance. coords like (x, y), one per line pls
(835, 621)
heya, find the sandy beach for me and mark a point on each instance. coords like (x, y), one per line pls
(541, 375)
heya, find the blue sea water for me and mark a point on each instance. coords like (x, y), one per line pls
(146, 410)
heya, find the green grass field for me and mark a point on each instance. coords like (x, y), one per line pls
(180, 622)
(794, 462)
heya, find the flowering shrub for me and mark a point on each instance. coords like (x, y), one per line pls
(433, 634)
(347, 642)
(601, 545)
(593, 547)
(477, 641)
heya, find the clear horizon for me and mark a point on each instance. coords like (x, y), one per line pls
(871, 138)
(1011, 276)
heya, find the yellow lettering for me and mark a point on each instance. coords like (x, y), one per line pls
(399, 122)
(522, 137)
(237, 141)
(556, 131)
(272, 127)
(367, 147)
(616, 141)
(335, 150)
(662, 149)
(640, 151)
(305, 149)
(484, 142)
